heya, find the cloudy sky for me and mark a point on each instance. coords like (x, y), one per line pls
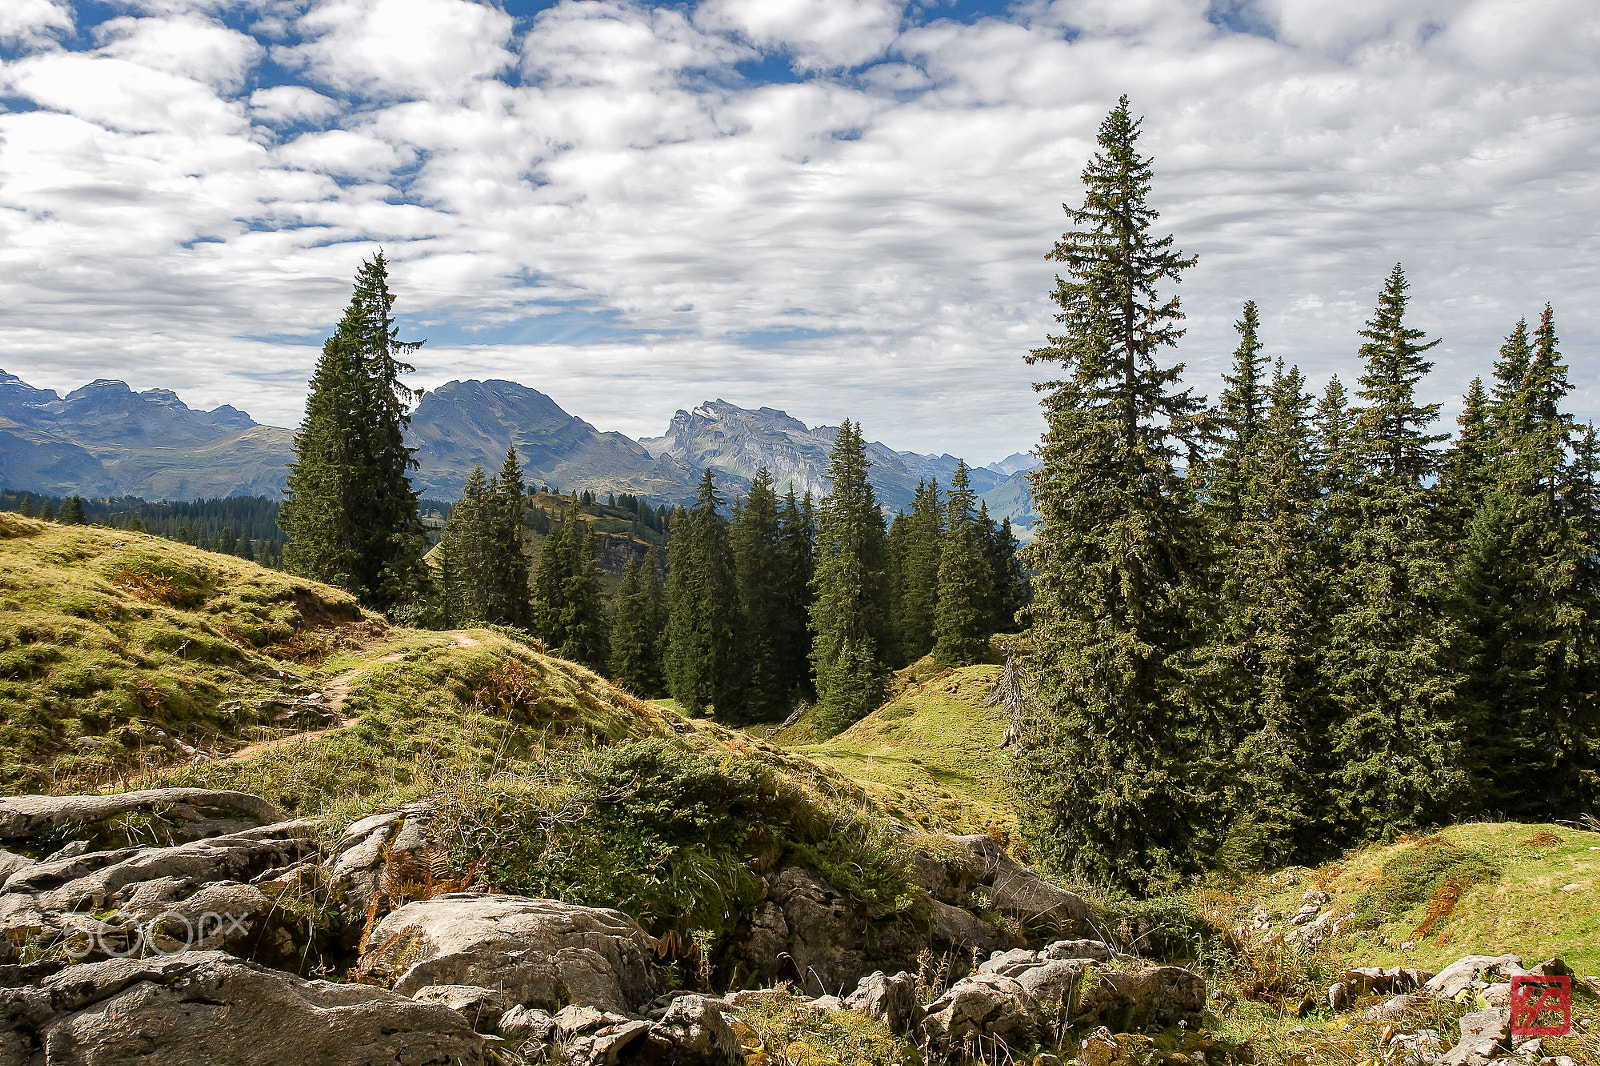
(836, 207)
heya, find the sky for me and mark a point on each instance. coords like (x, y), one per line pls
(839, 208)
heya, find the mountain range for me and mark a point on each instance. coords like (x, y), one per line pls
(104, 439)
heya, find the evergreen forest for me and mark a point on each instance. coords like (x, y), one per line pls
(1269, 628)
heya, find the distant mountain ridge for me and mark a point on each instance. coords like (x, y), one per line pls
(735, 441)
(463, 424)
(104, 439)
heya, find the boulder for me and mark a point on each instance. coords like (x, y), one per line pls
(693, 1032)
(960, 929)
(357, 867)
(522, 1023)
(759, 952)
(481, 1008)
(825, 944)
(539, 952)
(1485, 1035)
(178, 815)
(1474, 971)
(194, 895)
(10, 863)
(891, 1000)
(1373, 980)
(1416, 1049)
(1034, 989)
(198, 1008)
(1018, 892)
(1151, 999)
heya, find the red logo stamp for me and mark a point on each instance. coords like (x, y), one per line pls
(1541, 998)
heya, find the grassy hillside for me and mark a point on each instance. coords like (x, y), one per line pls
(1480, 888)
(114, 645)
(931, 755)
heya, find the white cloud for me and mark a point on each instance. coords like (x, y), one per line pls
(866, 244)
(196, 48)
(400, 48)
(820, 34)
(284, 104)
(32, 23)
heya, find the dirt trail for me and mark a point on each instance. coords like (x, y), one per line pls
(337, 689)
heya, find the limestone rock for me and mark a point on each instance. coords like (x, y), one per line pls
(186, 896)
(1015, 890)
(11, 862)
(540, 953)
(526, 1022)
(693, 1032)
(183, 814)
(891, 1000)
(827, 950)
(1152, 999)
(199, 1008)
(1485, 1035)
(957, 927)
(355, 872)
(479, 1007)
(1473, 971)
(1416, 1049)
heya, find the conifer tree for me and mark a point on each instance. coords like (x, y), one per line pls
(349, 509)
(793, 635)
(585, 629)
(27, 508)
(1008, 575)
(508, 599)
(966, 581)
(1236, 421)
(1391, 665)
(705, 664)
(45, 512)
(1113, 761)
(919, 572)
(756, 537)
(1525, 604)
(849, 618)
(466, 556)
(636, 628)
(549, 585)
(1268, 614)
(1467, 471)
(71, 513)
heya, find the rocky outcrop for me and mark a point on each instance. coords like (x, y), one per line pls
(194, 895)
(539, 952)
(891, 1000)
(199, 1008)
(369, 847)
(173, 815)
(1020, 990)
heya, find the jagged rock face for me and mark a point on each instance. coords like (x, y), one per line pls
(736, 442)
(463, 424)
(204, 1007)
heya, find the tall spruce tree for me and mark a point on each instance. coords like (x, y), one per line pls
(1010, 576)
(919, 572)
(757, 538)
(1267, 614)
(636, 628)
(1467, 472)
(966, 581)
(705, 662)
(793, 635)
(1113, 762)
(1235, 424)
(509, 602)
(1524, 602)
(349, 510)
(465, 554)
(1392, 660)
(849, 617)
